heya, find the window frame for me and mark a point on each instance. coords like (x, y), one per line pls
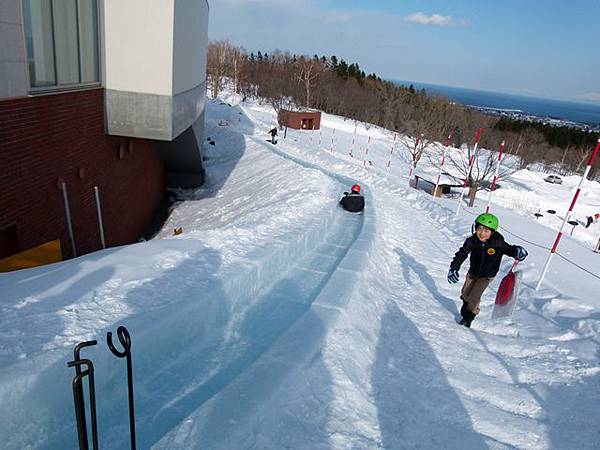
(57, 88)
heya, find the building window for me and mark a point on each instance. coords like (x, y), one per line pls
(62, 42)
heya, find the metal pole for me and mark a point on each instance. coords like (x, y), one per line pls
(568, 214)
(493, 186)
(125, 340)
(68, 214)
(437, 183)
(99, 211)
(467, 178)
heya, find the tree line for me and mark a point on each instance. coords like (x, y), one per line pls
(336, 86)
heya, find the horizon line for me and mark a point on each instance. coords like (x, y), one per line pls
(564, 100)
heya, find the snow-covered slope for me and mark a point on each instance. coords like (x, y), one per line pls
(278, 321)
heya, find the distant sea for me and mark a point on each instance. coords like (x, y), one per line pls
(584, 113)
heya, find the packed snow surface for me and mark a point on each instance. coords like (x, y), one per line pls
(276, 320)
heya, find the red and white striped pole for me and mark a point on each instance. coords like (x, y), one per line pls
(366, 152)
(412, 163)
(332, 137)
(569, 213)
(471, 161)
(353, 139)
(437, 182)
(493, 186)
(391, 152)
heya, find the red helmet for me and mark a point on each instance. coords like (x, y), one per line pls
(356, 188)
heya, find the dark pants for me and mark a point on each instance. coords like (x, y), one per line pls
(472, 291)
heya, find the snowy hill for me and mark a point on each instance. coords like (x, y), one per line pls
(276, 320)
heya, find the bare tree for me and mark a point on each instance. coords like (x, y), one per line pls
(428, 121)
(582, 154)
(217, 61)
(307, 73)
(236, 57)
(477, 167)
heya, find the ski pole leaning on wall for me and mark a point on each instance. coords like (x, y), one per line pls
(568, 214)
(99, 213)
(68, 216)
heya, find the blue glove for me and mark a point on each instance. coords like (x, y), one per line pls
(521, 253)
(452, 276)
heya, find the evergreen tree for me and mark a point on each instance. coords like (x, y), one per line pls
(342, 69)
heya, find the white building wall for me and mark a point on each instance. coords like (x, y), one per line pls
(13, 75)
(155, 66)
(138, 45)
(190, 44)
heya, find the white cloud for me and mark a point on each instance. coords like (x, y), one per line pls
(434, 19)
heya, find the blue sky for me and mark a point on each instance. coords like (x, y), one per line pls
(529, 47)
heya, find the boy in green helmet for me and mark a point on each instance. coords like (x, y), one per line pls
(486, 247)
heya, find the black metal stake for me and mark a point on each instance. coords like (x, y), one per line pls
(78, 397)
(125, 341)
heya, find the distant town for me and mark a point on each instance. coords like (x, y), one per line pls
(517, 114)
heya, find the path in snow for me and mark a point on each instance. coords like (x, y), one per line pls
(278, 321)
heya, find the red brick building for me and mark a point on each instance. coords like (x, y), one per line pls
(78, 116)
(51, 139)
(299, 120)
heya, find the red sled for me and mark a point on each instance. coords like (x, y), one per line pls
(507, 294)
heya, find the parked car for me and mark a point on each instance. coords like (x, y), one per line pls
(487, 185)
(553, 179)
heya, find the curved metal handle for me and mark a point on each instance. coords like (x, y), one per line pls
(124, 339)
(78, 347)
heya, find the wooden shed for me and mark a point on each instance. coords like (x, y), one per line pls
(299, 120)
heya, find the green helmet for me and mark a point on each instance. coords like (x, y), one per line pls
(488, 220)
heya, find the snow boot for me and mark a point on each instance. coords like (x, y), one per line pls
(467, 318)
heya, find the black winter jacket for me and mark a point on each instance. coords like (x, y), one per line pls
(353, 202)
(485, 256)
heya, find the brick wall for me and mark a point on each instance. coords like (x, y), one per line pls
(45, 139)
(294, 119)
